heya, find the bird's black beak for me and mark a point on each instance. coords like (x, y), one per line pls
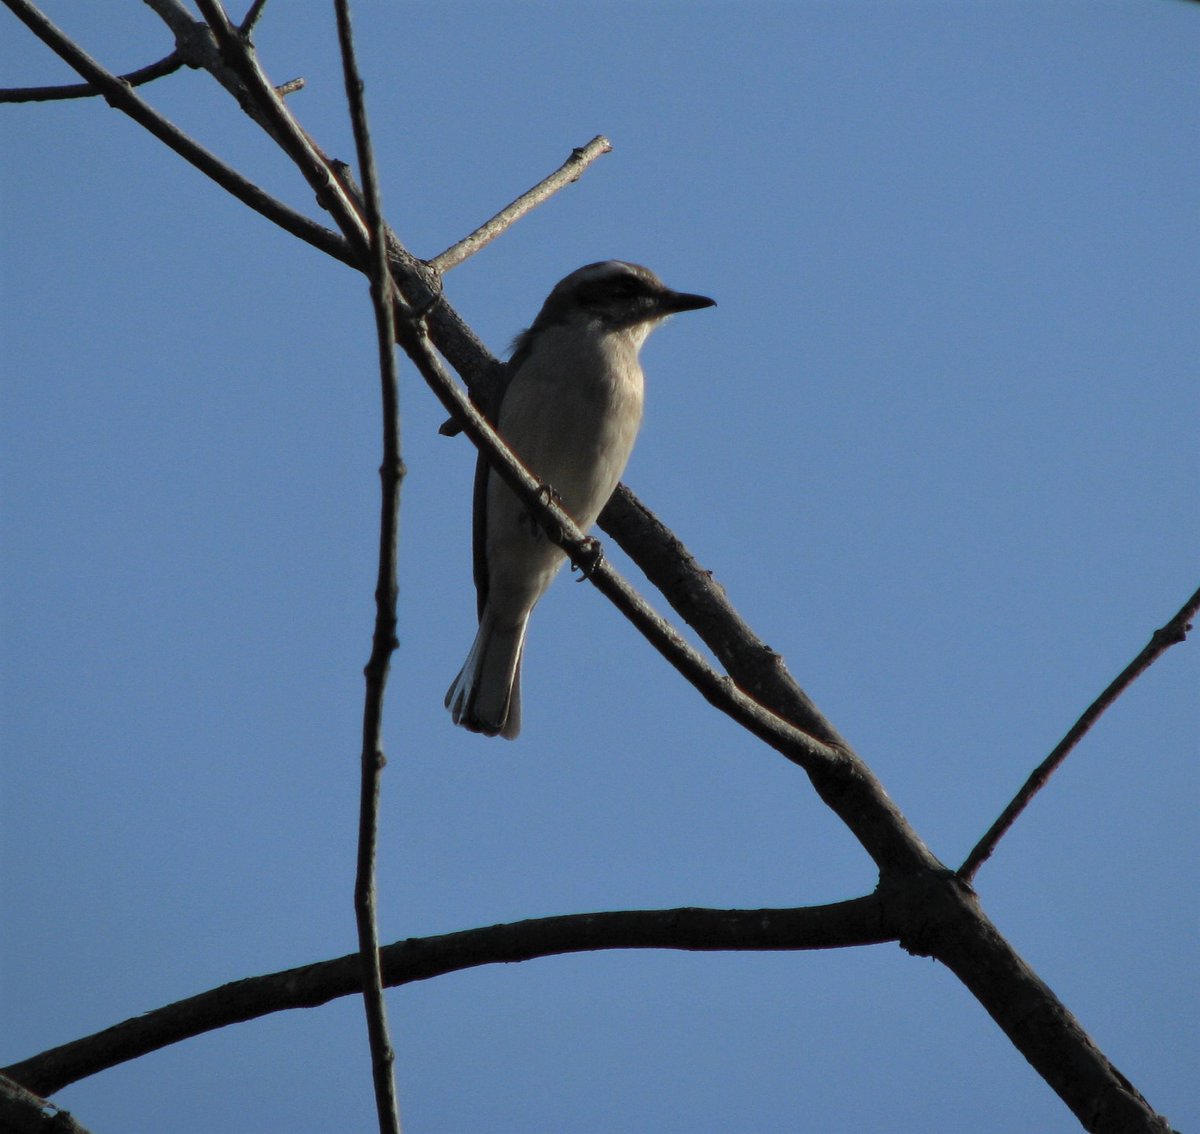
(673, 301)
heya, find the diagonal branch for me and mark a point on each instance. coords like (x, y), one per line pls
(571, 170)
(252, 17)
(946, 922)
(1174, 632)
(259, 98)
(840, 925)
(391, 472)
(118, 95)
(716, 688)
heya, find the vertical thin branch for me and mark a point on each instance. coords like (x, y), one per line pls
(391, 474)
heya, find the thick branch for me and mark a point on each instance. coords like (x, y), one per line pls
(843, 924)
(942, 918)
(847, 786)
(23, 1112)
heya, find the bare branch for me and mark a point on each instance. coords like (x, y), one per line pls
(166, 66)
(383, 643)
(717, 689)
(118, 95)
(252, 17)
(193, 39)
(942, 918)
(23, 1112)
(1174, 632)
(569, 171)
(258, 98)
(945, 921)
(840, 925)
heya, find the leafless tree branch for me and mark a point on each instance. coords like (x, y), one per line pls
(23, 1112)
(168, 65)
(120, 97)
(383, 644)
(933, 911)
(252, 17)
(569, 171)
(840, 925)
(1174, 632)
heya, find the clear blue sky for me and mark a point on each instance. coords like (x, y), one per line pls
(938, 441)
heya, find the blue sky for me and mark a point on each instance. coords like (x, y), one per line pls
(937, 441)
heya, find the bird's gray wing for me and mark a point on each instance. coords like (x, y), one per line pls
(482, 473)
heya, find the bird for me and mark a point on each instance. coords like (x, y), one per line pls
(570, 410)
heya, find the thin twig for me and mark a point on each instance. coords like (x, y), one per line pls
(119, 96)
(856, 922)
(1174, 632)
(252, 17)
(258, 98)
(569, 171)
(165, 66)
(383, 643)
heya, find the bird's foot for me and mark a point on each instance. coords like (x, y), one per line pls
(587, 557)
(546, 495)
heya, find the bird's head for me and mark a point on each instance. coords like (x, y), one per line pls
(617, 295)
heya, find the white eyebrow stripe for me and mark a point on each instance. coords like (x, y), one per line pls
(606, 269)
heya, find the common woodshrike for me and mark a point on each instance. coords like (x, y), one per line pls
(570, 411)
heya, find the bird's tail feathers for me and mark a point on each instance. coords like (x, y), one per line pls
(486, 695)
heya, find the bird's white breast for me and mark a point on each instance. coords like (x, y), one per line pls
(572, 413)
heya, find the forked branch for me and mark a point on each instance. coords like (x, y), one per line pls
(937, 913)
